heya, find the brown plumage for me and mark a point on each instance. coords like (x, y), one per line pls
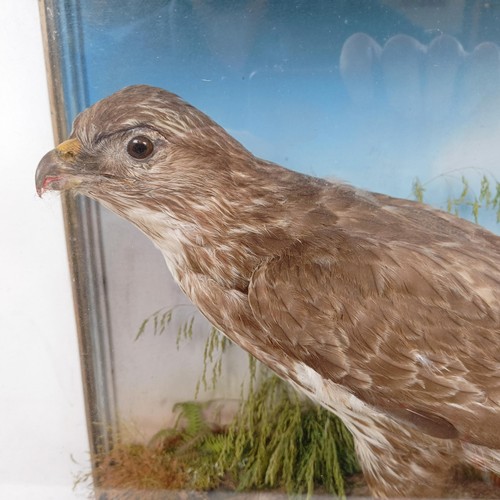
(385, 311)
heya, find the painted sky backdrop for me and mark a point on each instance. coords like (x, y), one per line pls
(372, 92)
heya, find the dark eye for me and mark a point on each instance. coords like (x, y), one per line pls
(140, 147)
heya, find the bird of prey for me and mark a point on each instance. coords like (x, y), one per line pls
(385, 311)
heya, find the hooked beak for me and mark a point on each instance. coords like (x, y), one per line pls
(56, 170)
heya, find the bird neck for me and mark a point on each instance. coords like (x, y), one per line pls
(238, 217)
(226, 241)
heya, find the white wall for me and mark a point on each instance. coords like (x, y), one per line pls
(42, 422)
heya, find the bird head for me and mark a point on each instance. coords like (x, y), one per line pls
(138, 142)
(169, 169)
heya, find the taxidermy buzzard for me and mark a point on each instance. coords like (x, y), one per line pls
(385, 311)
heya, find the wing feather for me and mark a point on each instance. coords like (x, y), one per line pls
(412, 330)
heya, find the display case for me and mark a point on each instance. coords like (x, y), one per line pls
(393, 96)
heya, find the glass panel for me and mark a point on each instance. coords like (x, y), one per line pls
(377, 93)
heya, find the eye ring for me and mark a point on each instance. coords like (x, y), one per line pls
(140, 147)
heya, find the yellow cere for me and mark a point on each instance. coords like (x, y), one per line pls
(69, 149)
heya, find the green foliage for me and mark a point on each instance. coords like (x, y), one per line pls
(468, 200)
(213, 355)
(418, 190)
(158, 321)
(276, 440)
(194, 444)
(201, 447)
(280, 440)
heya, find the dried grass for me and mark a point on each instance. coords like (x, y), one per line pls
(138, 467)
